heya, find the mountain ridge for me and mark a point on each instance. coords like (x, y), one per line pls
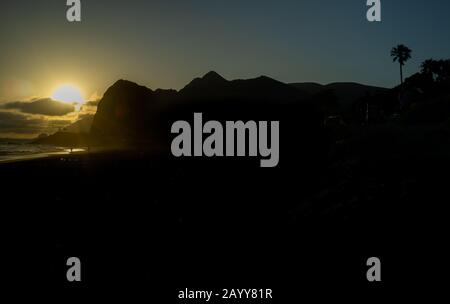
(129, 110)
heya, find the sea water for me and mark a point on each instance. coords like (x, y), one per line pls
(15, 149)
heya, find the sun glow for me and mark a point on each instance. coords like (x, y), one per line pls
(68, 93)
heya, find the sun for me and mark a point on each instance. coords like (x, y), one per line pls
(68, 93)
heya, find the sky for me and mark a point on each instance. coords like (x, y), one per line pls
(165, 44)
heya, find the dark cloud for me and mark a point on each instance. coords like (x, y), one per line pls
(93, 103)
(11, 122)
(43, 106)
(86, 115)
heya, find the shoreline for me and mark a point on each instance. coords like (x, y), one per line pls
(40, 156)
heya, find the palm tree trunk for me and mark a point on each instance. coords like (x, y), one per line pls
(401, 73)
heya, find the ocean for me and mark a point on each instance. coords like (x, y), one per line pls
(16, 149)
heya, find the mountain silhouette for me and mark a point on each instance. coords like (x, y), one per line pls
(311, 88)
(346, 93)
(129, 110)
(130, 114)
(211, 78)
(122, 109)
(82, 125)
(136, 116)
(262, 88)
(64, 139)
(74, 135)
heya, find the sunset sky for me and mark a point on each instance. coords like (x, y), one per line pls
(168, 43)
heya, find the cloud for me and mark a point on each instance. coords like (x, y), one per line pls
(42, 106)
(92, 103)
(86, 115)
(95, 97)
(28, 119)
(22, 124)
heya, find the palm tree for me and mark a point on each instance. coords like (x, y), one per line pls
(401, 53)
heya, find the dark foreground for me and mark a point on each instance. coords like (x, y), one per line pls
(151, 225)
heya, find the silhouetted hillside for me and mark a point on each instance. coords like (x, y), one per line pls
(128, 109)
(311, 88)
(214, 86)
(134, 115)
(347, 93)
(81, 126)
(74, 135)
(65, 139)
(123, 110)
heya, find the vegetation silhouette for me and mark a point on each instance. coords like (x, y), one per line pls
(439, 70)
(402, 54)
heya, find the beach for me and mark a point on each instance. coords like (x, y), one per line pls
(18, 150)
